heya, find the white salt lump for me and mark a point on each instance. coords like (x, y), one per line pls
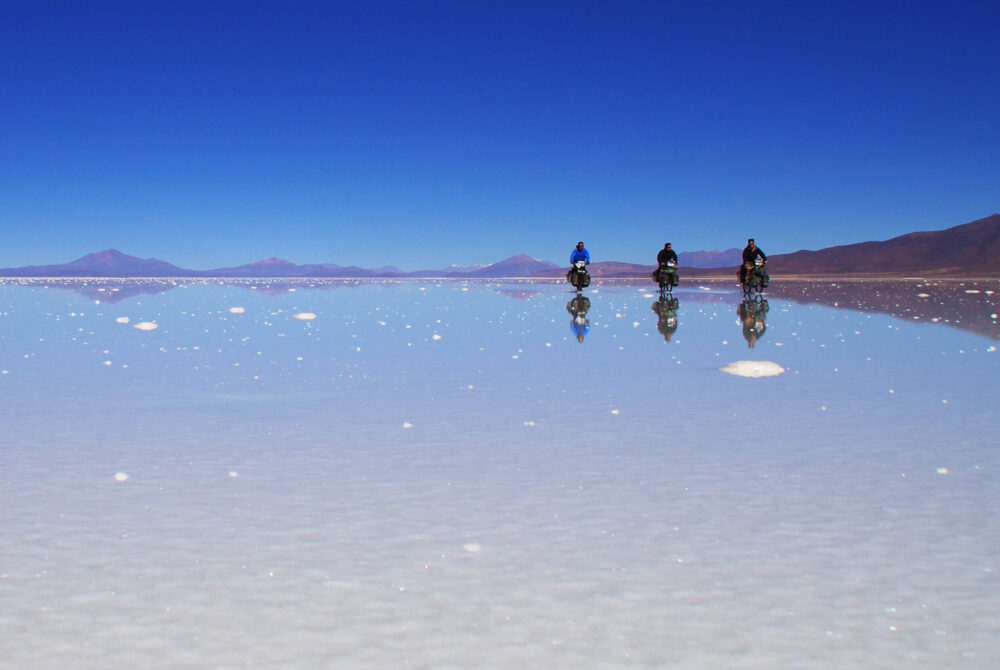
(753, 369)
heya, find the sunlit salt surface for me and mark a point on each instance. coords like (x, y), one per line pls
(551, 482)
(753, 369)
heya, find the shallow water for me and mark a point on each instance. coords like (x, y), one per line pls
(478, 474)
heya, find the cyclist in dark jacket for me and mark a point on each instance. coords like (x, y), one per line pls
(750, 253)
(666, 254)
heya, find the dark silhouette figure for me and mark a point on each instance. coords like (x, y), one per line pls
(666, 316)
(579, 324)
(753, 314)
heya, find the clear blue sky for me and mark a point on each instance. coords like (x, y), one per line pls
(422, 134)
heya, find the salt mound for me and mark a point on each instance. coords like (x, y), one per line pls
(304, 316)
(753, 369)
(146, 325)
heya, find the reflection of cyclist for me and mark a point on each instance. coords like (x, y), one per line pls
(750, 253)
(666, 313)
(752, 314)
(579, 324)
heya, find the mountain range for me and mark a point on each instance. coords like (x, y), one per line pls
(965, 250)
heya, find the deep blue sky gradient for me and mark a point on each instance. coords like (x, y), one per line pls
(421, 134)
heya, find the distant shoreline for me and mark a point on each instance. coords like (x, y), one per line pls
(706, 275)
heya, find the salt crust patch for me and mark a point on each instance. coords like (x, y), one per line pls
(753, 369)
(145, 325)
(304, 316)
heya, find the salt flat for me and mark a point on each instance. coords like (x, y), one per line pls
(493, 474)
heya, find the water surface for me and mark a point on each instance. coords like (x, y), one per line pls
(497, 474)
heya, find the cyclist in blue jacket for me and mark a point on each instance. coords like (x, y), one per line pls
(578, 254)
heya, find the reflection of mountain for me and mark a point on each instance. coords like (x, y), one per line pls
(968, 305)
(110, 291)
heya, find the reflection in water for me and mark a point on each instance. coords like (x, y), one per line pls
(666, 313)
(579, 324)
(518, 294)
(116, 290)
(753, 313)
(971, 305)
(967, 305)
(419, 449)
(105, 290)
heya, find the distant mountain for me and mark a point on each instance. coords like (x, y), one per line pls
(277, 267)
(109, 263)
(607, 269)
(113, 263)
(966, 250)
(710, 259)
(521, 265)
(969, 249)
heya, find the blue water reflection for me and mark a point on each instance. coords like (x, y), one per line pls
(457, 466)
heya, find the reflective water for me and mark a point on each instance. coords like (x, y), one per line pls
(451, 474)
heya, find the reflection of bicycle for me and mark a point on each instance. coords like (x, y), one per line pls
(666, 316)
(667, 277)
(753, 315)
(579, 324)
(753, 278)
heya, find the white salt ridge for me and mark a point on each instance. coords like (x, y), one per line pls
(753, 369)
(145, 325)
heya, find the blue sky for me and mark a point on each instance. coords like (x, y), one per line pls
(212, 134)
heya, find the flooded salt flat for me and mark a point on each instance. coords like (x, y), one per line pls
(498, 474)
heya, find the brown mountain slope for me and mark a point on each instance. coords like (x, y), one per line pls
(966, 249)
